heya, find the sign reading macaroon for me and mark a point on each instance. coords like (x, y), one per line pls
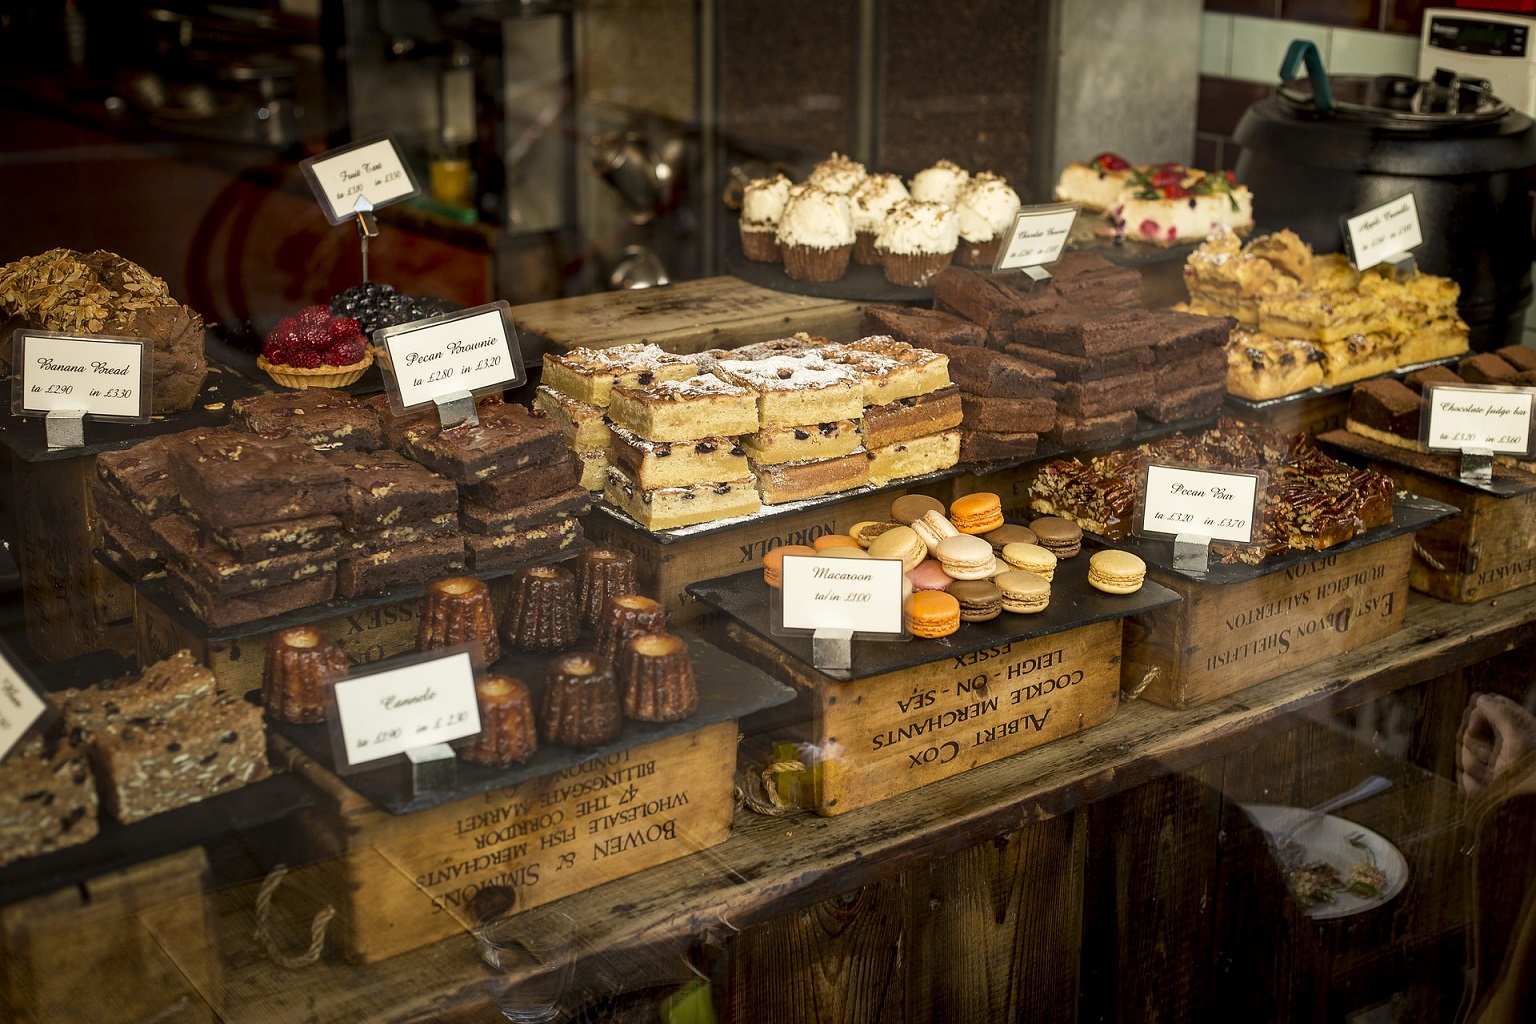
(863, 595)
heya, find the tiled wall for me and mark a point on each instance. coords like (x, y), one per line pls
(1242, 43)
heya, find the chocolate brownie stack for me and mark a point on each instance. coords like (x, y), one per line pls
(1100, 358)
(1006, 402)
(401, 521)
(513, 472)
(260, 529)
(1188, 362)
(131, 489)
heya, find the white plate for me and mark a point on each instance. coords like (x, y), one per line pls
(1327, 839)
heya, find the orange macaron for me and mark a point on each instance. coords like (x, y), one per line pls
(931, 613)
(773, 562)
(834, 540)
(976, 513)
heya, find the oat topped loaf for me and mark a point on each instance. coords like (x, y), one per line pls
(103, 293)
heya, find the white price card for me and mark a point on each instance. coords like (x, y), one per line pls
(1383, 231)
(1180, 500)
(363, 176)
(385, 713)
(20, 706)
(474, 351)
(1038, 235)
(107, 377)
(1491, 418)
(862, 594)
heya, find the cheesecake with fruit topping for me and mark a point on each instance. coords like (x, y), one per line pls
(1162, 203)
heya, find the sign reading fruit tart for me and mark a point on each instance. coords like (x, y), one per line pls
(366, 175)
(381, 714)
(100, 375)
(470, 352)
(1493, 418)
(1179, 500)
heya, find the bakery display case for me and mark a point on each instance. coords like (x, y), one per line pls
(867, 587)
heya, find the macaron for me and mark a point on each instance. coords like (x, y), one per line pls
(976, 513)
(929, 575)
(980, 600)
(773, 562)
(1023, 592)
(1062, 537)
(834, 540)
(909, 507)
(1031, 558)
(900, 542)
(931, 613)
(866, 532)
(933, 527)
(965, 557)
(1116, 572)
(1009, 533)
(843, 552)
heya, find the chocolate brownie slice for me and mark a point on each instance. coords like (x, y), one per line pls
(1031, 415)
(989, 446)
(986, 371)
(142, 474)
(478, 518)
(223, 611)
(925, 328)
(1071, 431)
(371, 542)
(231, 478)
(384, 489)
(507, 437)
(1185, 403)
(559, 473)
(272, 540)
(1206, 367)
(987, 301)
(1176, 336)
(1087, 333)
(220, 571)
(123, 534)
(1085, 278)
(1067, 367)
(326, 419)
(490, 551)
(1107, 394)
(400, 567)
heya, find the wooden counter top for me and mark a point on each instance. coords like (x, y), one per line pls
(776, 865)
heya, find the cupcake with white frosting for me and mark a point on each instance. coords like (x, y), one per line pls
(940, 183)
(872, 200)
(838, 173)
(984, 212)
(762, 204)
(918, 241)
(816, 235)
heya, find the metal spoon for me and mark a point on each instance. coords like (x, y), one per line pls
(1367, 787)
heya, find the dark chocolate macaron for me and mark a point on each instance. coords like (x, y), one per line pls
(1009, 533)
(909, 508)
(1061, 537)
(980, 600)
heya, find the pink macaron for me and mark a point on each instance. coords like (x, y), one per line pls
(930, 575)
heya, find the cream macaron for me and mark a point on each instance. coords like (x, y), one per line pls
(1031, 558)
(966, 557)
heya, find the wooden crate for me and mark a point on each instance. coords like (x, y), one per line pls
(666, 567)
(689, 316)
(74, 604)
(1309, 414)
(93, 951)
(400, 882)
(1222, 638)
(892, 733)
(366, 634)
(1490, 549)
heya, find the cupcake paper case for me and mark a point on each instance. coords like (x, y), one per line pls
(917, 242)
(816, 235)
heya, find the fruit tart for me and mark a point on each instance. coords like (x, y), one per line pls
(313, 349)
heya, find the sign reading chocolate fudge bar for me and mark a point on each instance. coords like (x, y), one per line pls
(1038, 236)
(1384, 231)
(365, 175)
(470, 352)
(862, 594)
(387, 712)
(1491, 417)
(20, 705)
(100, 375)
(1179, 500)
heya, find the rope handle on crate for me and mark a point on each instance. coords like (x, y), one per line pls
(760, 790)
(264, 937)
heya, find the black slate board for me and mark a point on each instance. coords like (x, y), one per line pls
(859, 284)
(745, 598)
(1410, 513)
(728, 689)
(1507, 481)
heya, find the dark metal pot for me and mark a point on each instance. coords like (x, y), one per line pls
(1311, 156)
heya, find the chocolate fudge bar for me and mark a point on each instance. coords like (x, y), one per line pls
(1521, 357)
(560, 473)
(223, 611)
(383, 489)
(478, 518)
(1431, 375)
(230, 478)
(986, 371)
(507, 437)
(491, 551)
(907, 418)
(149, 766)
(326, 419)
(1086, 333)
(142, 474)
(47, 798)
(925, 328)
(1486, 368)
(1385, 410)
(1033, 415)
(400, 567)
(220, 571)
